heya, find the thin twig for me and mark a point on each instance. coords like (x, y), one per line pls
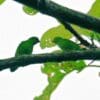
(76, 34)
(90, 63)
(94, 66)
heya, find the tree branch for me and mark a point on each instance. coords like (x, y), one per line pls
(60, 12)
(93, 54)
(75, 33)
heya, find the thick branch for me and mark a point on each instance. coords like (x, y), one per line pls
(50, 57)
(60, 12)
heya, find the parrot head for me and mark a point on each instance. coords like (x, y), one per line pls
(64, 44)
(34, 40)
(58, 40)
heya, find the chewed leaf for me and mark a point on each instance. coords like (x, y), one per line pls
(1, 1)
(49, 68)
(29, 10)
(53, 83)
(56, 71)
(48, 36)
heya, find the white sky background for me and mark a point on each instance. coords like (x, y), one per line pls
(28, 82)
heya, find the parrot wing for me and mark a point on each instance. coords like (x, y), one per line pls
(66, 44)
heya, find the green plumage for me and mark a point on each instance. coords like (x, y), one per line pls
(65, 44)
(68, 45)
(25, 48)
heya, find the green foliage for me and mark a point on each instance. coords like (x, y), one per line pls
(29, 10)
(55, 80)
(60, 31)
(48, 36)
(61, 37)
(65, 44)
(94, 11)
(80, 65)
(56, 73)
(2, 1)
(25, 47)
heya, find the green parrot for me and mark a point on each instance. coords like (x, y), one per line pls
(65, 44)
(68, 45)
(25, 48)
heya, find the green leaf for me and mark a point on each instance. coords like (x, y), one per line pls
(29, 10)
(48, 36)
(56, 73)
(60, 31)
(49, 68)
(55, 80)
(1, 1)
(46, 40)
(80, 65)
(94, 11)
(66, 44)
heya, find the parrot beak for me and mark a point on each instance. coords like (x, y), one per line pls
(38, 40)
